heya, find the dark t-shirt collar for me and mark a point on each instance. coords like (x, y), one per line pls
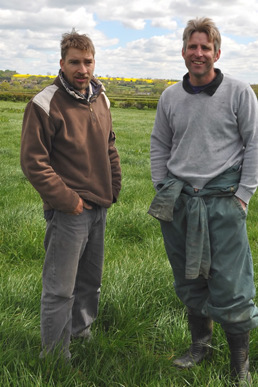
(209, 89)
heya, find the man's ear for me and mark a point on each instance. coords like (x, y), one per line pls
(217, 56)
(61, 63)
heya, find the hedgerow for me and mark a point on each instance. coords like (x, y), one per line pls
(16, 97)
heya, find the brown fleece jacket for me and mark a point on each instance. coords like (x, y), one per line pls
(67, 147)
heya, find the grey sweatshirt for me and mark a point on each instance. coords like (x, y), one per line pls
(197, 137)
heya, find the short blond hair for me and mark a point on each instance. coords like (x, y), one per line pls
(206, 25)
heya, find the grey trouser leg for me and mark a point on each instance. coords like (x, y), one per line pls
(71, 276)
(227, 296)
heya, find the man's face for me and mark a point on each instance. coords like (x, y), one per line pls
(199, 58)
(78, 67)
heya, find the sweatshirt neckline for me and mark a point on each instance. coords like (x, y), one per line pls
(209, 89)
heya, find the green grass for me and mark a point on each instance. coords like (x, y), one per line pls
(141, 324)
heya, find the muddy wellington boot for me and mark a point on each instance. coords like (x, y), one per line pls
(201, 332)
(239, 363)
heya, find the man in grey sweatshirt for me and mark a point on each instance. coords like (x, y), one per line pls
(204, 162)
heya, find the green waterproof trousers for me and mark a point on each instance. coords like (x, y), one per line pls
(227, 294)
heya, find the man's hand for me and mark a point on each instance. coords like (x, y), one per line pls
(79, 209)
(243, 204)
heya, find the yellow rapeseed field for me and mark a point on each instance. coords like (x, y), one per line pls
(147, 80)
(23, 76)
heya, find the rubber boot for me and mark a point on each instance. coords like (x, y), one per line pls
(201, 332)
(239, 363)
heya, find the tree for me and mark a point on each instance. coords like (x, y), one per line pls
(5, 86)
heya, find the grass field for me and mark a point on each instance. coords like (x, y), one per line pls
(141, 325)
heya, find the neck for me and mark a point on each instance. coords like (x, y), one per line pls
(202, 81)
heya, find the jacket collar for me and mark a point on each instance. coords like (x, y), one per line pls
(95, 87)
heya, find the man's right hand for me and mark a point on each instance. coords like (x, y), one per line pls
(79, 209)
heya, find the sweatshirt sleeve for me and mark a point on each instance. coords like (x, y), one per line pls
(247, 117)
(38, 132)
(161, 142)
(115, 166)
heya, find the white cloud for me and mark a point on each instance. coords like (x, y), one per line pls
(164, 22)
(160, 57)
(240, 60)
(46, 18)
(31, 33)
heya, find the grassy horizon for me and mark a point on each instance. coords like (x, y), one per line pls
(141, 325)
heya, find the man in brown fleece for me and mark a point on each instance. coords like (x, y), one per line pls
(68, 155)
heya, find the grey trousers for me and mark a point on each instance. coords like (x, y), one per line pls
(71, 277)
(227, 295)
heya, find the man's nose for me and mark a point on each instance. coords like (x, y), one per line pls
(82, 68)
(198, 51)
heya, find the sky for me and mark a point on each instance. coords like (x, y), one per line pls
(136, 38)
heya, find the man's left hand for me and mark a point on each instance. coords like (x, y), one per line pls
(243, 204)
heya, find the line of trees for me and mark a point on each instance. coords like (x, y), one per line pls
(126, 94)
(122, 93)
